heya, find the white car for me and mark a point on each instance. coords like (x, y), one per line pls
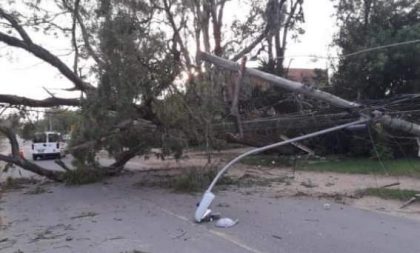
(47, 144)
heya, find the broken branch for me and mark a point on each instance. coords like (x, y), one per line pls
(48, 102)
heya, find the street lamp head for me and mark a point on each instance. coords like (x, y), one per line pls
(203, 210)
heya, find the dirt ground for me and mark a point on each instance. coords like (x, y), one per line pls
(281, 181)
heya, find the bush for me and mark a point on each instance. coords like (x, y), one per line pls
(81, 176)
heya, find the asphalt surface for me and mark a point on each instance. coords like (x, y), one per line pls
(118, 217)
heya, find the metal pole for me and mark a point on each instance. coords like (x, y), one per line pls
(278, 144)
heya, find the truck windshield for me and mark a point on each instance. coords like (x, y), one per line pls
(39, 138)
(53, 138)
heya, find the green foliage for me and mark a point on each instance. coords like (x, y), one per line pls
(138, 68)
(380, 73)
(37, 190)
(267, 160)
(381, 149)
(28, 131)
(193, 113)
(191, 180)
(196, 180)
(60, 120)
(386, 193)
(382, 152)
(81, 176)
(11, 184)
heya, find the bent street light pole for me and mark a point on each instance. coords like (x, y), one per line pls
(395, 123)
(203, 207)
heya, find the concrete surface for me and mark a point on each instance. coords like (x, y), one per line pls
(118, 217)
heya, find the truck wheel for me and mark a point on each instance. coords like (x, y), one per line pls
(34, 157)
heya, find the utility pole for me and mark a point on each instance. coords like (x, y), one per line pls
(395, 123)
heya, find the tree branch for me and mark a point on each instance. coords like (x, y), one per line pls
(251, 46)
(73, 36)
(177, 36)
(7, 130)
(85, 34)
(48, 57)
(15, 24)
(48, 102)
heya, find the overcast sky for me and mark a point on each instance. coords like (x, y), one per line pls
(24, 75)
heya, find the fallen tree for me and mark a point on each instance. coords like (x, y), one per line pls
(117, 111)
(135, 67)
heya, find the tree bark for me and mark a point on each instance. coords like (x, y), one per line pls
(177, 35)
(48, 102)
(16, 159)
(251, 46)
(46, 56)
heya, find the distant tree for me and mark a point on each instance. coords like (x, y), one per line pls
(380, 73)
(55, 119)
(60, 120)
(27, 130)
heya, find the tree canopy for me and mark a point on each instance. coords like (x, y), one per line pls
(387, 72)
(134, 64)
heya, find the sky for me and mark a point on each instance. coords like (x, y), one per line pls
(24, 75)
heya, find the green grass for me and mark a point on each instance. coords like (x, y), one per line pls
(82, 176)
(192, 180)
(385, 193)
(267, 160)
(400, 167)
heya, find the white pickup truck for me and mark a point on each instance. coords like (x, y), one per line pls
(47, 144)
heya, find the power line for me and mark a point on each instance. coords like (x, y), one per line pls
(366, 50)
(382, 47)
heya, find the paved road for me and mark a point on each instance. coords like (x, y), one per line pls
(117, 217)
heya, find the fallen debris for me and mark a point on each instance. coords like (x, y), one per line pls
(226, 222)
(277, 237)
(390, 185)
(308, 184)
(84, 214)
(299, 146)
(410, 201)
(36, 190)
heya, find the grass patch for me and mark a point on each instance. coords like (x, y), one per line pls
(81, 176)
(84, 215)
(267, 160)
(400, 167)
(37, 190)
(384, 193)
(16, 183)
(192, 180)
